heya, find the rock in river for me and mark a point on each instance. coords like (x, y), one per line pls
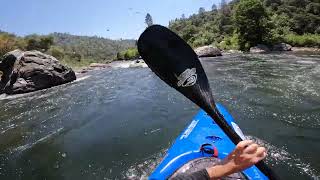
(260, 48)
(138, 63)
(282, 47)
(30, 71)
(208, 51)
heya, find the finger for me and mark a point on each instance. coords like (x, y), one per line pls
(243, 144)
(251, 149)
(257, 159)
(261, 152)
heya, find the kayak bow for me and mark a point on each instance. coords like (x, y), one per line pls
(201, 138)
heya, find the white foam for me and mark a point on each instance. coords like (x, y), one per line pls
(128, 64)
(9, 97)
(30, 145)
(142, 170)
(281, 156)
(82, 78)
(306, 62)
(120, 64)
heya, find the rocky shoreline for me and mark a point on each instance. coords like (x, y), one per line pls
(305, 49)
(27, 71)
(204, 51)
(263, 49)
(115, 64)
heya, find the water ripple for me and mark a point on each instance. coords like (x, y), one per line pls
(117, 119)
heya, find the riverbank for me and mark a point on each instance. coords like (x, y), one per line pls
(305, 49)
(114, 64)
(130, 63)
(82, 71)
(140, 63)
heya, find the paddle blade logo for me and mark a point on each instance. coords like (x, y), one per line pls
(187, 78)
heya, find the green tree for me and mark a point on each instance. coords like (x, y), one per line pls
(148, 20)
(273, 4)
(40, 43)
(224, 8)
(214, 8)
(45, 43)
(120, 56)
(31, 44)
(76, 56)
(9, 42)
(56, 52)
(129, 54)
(250, 23)
(223, 4)
(202, 10)
(189, 32)
(313, 8)
(282, 25)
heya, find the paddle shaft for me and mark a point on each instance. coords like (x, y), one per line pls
(235, 138)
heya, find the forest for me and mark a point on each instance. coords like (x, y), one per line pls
(242, 24)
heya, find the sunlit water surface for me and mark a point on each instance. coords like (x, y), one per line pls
(118, 123)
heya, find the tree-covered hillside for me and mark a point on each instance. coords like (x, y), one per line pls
(95, 48)
(69, 49)
(271, 21)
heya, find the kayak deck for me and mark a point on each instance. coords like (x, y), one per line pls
(201, 131)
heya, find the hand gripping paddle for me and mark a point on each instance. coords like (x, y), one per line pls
(175, 62)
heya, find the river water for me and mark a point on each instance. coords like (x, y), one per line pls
(117, 123)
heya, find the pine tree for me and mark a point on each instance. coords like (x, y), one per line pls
(201, 10)
(214, 7)
(223, 4)
(148, 20)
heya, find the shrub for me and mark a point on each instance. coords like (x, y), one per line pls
(309, 40)
(40, 43)
(230, 42)
(56, 52)
(131, 53)
(9, 42)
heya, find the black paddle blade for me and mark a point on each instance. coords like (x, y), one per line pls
(175, 62)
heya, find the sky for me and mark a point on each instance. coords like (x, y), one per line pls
(112, 19)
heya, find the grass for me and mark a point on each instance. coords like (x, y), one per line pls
(77, 65)
(306, 40)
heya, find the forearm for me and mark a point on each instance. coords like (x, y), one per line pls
(218, 171)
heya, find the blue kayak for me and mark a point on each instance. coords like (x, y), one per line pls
(201, 139)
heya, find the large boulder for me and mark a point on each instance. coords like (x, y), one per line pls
(282, 47)
(30, 71)
(208, 51)
(260, 48)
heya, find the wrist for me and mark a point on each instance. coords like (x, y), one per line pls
(218, 171)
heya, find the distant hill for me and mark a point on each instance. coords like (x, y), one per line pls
(91, 47)
(72, 50)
